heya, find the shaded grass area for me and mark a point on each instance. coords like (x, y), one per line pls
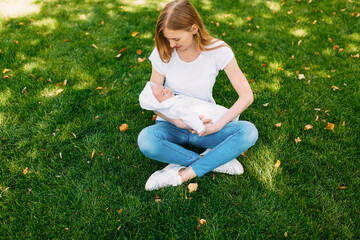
(68, 193)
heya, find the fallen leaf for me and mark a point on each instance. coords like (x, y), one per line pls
(336, 47)
(341, 49)
(329, 39)
(120, 210)
(290, 12)
(342, 187)
(280, 68)
(138, 51)
(278, 125)
(335, 88)
(141, 59)
(6, 76)
(343, 123)
(122, 50)
(355, 56)
(66, 40)
(102, 22)
(98, 88)
(157, 198)
(217, 24)
(59, 84)
(249, 18)
(266, 104)
(119, 55)
(24, 90)
(202, 221)
(192, 187)
(330, 126)
(277, 164)
(59, 91)
(93, 153)
(123, 127)
(26, 170)
(299, 42)
(94, 46)
(134, 34)
(285, 234)
(307, 127)
(301, 76)
(65, 81)
(317, 118)
(6, 70)
(264, 65)
(317, 53)
(292, 57)
(297, 140)
(154, 117)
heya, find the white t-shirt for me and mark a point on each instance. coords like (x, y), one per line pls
(196, 78)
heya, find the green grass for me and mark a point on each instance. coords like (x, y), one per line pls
(67, 193)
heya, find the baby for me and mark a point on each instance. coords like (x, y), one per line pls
(159, 98)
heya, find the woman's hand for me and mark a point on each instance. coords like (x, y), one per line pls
(210, 128)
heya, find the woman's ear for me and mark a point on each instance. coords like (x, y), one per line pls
(194, 29)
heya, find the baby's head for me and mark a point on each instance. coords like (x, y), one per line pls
(161, 93)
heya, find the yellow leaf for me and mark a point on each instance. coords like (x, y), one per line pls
(297, 139)
(330, 126)
(6, 76)
(307, 127)
(93, 153)
(59, 91)
(6, 70)
(26, 170)
(134, 34)
(330, 40)
(98, 88)
(277, 164)
(192, 187)
(123, 127)
(278, 125)
(202, 221)
(335, 88)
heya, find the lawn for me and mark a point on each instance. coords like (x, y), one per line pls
(71, 73)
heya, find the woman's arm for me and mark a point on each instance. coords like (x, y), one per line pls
(242, 87)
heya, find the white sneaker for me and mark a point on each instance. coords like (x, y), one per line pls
(233, 167)
(168, 176)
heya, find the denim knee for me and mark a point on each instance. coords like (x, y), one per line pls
(253, 133)
(146, 140)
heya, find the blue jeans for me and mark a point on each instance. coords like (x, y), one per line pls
(163, 142)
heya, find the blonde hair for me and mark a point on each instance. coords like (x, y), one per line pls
(181, 15)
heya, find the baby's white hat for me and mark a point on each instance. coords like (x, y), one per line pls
(149, 102)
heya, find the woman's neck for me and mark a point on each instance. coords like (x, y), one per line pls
(190, 54)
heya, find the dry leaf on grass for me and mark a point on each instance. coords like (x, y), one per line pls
(26, 170)
(330, 126)
(59, 91)
(278, 125)
(123, 127)
(277, 164)
(93, 153)
(192, 187)
(297, 140)
(307, 127)
(134, 34)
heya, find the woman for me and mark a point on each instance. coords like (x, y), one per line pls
(190, 59)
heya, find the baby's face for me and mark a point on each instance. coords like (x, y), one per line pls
(161, 93)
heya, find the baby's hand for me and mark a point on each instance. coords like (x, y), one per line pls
(205, 121)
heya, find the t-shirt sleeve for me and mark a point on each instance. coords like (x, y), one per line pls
(156, 62)
(223, 56)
